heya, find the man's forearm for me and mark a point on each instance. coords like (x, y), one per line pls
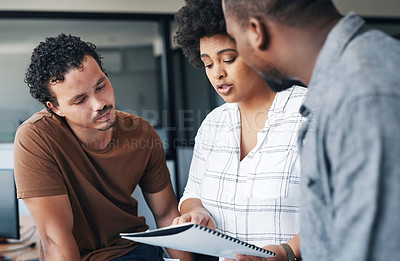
(183, 256)
(54, 219)
(62, 250)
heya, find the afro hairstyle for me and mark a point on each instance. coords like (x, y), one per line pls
(195, 20)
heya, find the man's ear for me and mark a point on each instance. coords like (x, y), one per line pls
(259, 35)
(54, 108)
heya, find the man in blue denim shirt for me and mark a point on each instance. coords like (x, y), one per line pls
(351, 142)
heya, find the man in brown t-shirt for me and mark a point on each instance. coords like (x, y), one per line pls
(77, 164)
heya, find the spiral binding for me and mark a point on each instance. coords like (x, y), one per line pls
(238, 241)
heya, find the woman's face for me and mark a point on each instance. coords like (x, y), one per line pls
(233, 80)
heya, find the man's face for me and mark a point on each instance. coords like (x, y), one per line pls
(264, 65)
(85, 98)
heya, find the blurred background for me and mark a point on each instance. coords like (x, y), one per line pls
(150, 76)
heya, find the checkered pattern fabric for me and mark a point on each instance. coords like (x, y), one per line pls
(256, 199)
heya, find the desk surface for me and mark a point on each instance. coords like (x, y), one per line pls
(32, 253)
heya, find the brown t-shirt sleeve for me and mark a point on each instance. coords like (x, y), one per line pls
(36, 172)
(156, 176)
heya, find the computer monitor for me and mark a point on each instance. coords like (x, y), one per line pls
(9, 217)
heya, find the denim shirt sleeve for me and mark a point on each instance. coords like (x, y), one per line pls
(365, 178)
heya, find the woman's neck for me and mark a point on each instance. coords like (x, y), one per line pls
(257, 104)
(253, 115)
(254, 111)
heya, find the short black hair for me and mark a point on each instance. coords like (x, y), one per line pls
(289, 12)
(195, 20)
(52, 59)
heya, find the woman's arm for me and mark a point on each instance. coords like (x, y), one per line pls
(281, 254)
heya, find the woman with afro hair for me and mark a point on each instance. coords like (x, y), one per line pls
(242, 180)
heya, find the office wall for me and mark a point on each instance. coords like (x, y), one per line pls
(130, 50)
(388, 8)
(378, 8)
(6, 162)
(137, 6)
(364, 7)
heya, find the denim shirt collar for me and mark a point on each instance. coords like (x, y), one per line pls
(335, 43)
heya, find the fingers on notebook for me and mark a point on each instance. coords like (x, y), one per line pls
(185, 218)
(210, 223)
(197, 217)
(203, 218)
(175, 221)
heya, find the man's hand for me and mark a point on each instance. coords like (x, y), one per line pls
(201, 217)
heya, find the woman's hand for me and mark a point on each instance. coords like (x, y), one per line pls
(201, 217)
(192, 210)
(280, 252)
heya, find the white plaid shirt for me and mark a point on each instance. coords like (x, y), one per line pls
(256, 199)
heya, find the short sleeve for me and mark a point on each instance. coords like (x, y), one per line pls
(197, 169)
(156, 176)
(36, 171)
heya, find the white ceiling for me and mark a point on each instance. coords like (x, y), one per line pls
(131, 6)
(363, 7)
(20, 36)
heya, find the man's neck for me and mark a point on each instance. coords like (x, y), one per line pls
(99, 140)
(94, 139)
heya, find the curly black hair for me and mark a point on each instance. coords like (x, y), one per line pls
(198, 18)
(52, 59)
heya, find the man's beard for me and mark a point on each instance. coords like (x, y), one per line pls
(276, 80)
(279, 85)
(101, 113)
(109, 126)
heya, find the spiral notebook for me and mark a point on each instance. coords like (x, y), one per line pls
(197, 239)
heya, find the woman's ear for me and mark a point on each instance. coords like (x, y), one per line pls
(259, 34)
